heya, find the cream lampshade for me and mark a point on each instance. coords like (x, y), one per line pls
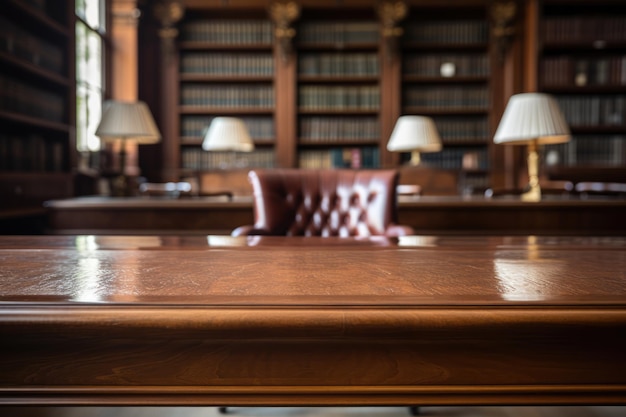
(126, 121)
(532, 119)
(227, 134)
(414, 134)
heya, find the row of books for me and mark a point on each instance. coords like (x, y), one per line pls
(452, 158)
(258, 127)
(344, 64)
(20, 97)
(584, 29)
(328, 129)
(454, 129)
(361, 157)
(322, 97)
(228, 32)
(447, 96)
(446, 65)
(338, 32)
(569, 71)
(228, 95)
(197, 159)
(461, 32)
(593, 110)
(225, 63)
(30, 48)
(588, 150)
(32, 153)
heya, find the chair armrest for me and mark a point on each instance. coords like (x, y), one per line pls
(248, 230)
(395, 230)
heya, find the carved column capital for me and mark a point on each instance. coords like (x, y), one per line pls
(503, 15)
(391, 13)
(168, 13)
(283, 13)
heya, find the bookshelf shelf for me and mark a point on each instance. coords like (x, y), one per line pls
(37, 71)
(352, 79)
(336, 141)
(197, 141)
(579, 47)
(201, 78)
(420, 79)
(37, 94)
(441, 47)
(232, 111)
(573, 90)
(208, 46)
(39, 19)
(452, 111)
(34, 122)
(604, 130)
(338, 47)
(338, 111)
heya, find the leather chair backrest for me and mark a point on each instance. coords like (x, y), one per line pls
(333, 202)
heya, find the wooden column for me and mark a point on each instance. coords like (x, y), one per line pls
(390, 13)
(124, 66)
(168, 14)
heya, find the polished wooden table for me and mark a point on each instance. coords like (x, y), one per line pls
(427, 215)
(215, 320)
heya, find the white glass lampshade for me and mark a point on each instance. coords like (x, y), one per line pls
(128, 120)
(532, 117)
(414, 133)
(227, 134)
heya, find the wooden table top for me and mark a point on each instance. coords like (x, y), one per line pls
(221, 270)
(215, 320)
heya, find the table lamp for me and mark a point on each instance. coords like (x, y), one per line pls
(227, 134)
(414, 134)
(125, 121)
(532, 119)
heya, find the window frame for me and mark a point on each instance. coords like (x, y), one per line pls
(104, 33)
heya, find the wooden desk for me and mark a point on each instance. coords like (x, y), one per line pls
(148, 320)
(427, 215)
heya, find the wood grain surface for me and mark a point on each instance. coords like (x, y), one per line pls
(281, 321)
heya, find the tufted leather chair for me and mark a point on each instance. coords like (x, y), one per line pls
(332, 202)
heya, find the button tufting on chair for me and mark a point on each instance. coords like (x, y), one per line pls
(332, 202)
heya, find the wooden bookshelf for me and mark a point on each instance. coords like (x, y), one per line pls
(446, 69)
(338, 91)
(37, 96)
(226, 68)
(582, 62)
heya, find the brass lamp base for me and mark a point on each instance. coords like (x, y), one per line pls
(532, 195)
(415, 158)
(534, 192)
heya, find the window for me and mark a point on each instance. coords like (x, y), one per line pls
(90, 74)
